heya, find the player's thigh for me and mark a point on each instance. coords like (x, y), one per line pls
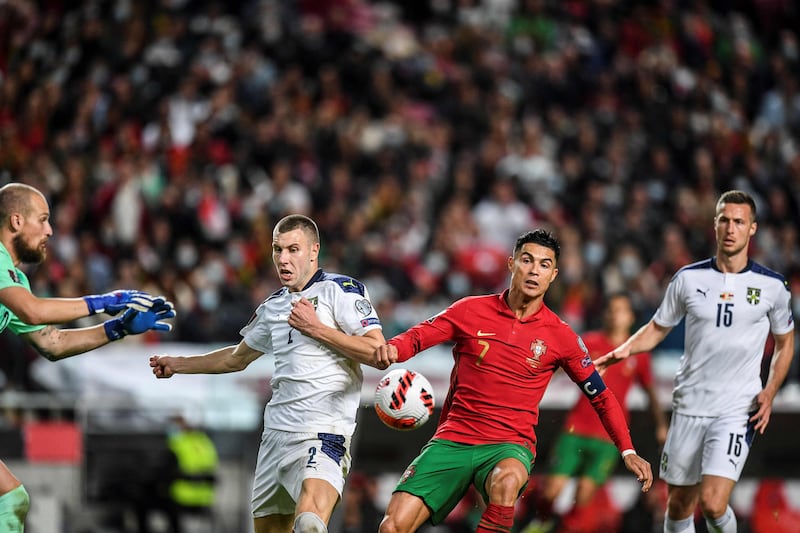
(317, 496)
(727, 446)
(404, 514)
(287, 459)
(681, 459)
(439, 476)
(276, 523)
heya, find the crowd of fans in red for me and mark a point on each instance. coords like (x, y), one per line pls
(423, 136)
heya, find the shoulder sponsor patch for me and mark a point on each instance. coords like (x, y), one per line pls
(370, 321)
(350, 285)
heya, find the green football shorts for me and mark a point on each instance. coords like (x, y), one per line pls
(444, 470)
(576, 455)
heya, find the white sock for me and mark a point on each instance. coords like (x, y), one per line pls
(679, 526)
(724, 524)
(309, 523)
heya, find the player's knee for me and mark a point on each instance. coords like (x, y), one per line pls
(309, 523)
(388, 525)
(504, 485)
(713, 506)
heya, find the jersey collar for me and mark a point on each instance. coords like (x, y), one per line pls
(746, 268)
(318, 275)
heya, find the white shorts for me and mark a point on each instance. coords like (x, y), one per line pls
(285, 459)
(704, 445)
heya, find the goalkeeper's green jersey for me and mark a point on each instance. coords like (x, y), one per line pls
(11, 276)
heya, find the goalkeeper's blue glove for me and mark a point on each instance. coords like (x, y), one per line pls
(116, 301)
(134, 321)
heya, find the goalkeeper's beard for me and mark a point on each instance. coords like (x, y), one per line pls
(28, 254)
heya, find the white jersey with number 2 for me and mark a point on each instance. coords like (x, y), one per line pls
(728, 317)
(314, 389)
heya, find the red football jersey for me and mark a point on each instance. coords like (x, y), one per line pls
(502, 368)
(582, 420)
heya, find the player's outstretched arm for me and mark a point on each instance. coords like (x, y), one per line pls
(55, 344)
(644, 340)
(360, 348)
(38, 311)
(228, 359)
(641, 469)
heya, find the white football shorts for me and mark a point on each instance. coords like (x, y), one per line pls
(285, 459)
(705, 445)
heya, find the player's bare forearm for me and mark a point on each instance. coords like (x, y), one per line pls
(779, 368)
(55, 344)
(644, 340)
(781, 361)
(36, 311)
(360, 348)
(222, 361)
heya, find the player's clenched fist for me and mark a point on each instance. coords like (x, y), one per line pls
(161, 365)
(385, 355)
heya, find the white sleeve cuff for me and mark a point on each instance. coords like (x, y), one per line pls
(627, 452)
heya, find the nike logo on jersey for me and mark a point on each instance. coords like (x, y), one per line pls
(484, 334)
(702, 292)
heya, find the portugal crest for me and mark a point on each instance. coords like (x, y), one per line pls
(753, 295)
(538, 349)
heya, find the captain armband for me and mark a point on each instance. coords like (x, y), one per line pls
(593, 385)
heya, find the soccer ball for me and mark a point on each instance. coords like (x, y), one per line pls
(404, 399)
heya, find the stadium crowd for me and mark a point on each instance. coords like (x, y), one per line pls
(423, 137)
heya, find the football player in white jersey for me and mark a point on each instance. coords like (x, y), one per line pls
(731, 304)
(319, 327)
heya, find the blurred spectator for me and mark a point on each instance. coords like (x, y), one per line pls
(167, 135)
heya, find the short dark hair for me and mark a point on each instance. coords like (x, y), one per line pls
(293, 222)
(541, 237)
(736, 197)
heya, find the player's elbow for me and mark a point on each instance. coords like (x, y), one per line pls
(48, 353)
(235, 364)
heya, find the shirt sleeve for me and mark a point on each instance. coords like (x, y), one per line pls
(256, 333)
(780, 317)
(435, 330)
(354, 313)
(613, 418)
(672, 308)
(10, 276)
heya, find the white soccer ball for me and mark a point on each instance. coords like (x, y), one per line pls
(404, 399)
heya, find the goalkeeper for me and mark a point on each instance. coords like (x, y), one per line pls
(24, 231)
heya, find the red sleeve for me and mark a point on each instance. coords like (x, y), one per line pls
(613, 419)
(435, 330)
